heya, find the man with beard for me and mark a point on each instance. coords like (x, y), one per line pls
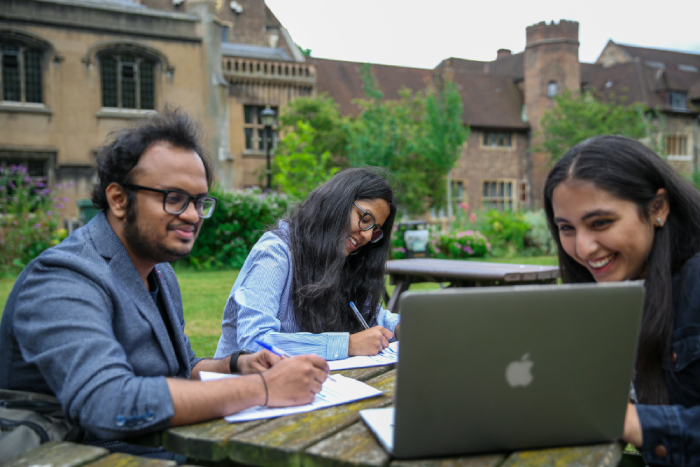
(97, 321)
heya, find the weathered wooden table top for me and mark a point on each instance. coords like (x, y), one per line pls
(336, 436)
(473, 270)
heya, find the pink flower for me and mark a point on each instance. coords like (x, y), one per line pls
(472, 217)
(464, 206)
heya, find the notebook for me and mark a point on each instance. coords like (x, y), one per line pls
(501, 369)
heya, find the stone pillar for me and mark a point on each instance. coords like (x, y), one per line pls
(215, 118)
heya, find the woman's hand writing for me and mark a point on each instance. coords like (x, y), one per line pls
(369, 342)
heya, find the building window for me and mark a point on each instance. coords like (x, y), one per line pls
(21, 73)
(677, 100)
(552, 89)
(128, 81)
(224, 33)
(676, 145)
(498, 139)
(254, 130)
(499, 194)
(458, 193)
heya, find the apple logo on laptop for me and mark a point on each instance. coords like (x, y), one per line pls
(518, 373)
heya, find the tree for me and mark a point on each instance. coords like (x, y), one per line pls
(444, 133)
(299, 166)
(418, 138)
(322, 115)
(579, 116)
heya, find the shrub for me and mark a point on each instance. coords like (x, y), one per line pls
(28, 221)
(506, 230)
(450, 245)
(539, 239)
(460, 245)
(241, 217)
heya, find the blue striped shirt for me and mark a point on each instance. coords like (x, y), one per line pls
(260, 307)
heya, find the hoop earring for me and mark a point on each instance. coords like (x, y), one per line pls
(659, 222)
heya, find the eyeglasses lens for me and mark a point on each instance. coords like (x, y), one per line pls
(377, 235)
(175, 203)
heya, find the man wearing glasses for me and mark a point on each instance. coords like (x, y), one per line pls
(97, 321)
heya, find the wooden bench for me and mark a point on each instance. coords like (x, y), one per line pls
(66, 454)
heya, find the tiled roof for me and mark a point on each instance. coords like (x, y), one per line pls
(491, 101)
(682, 68)
(635, 82)
(341, 81)
(510, 65)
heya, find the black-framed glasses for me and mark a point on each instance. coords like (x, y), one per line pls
(367, 222)
(175, 201)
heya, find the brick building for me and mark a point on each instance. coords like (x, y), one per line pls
(505, 99)
(74, 70)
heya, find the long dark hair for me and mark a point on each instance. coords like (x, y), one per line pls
(325, 281)
(629, 170)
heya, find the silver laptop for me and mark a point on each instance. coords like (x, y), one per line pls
(508, 368)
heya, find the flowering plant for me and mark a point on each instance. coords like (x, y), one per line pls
(28, 221)
(460, 245)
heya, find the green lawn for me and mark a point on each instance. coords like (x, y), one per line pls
(204, 295)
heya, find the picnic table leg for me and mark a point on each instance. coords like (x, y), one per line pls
(401, 287)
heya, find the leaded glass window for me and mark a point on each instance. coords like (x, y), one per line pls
(128, 81)
(21, 73)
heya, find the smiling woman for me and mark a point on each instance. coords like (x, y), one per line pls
(295, 288)
(618, 212)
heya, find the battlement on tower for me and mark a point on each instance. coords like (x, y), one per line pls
(565, 31)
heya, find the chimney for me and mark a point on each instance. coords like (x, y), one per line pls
(503, 53)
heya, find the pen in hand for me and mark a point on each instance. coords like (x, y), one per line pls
(359, 316)
(279, 352)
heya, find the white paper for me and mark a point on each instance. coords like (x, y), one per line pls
(385, 357)
(340, 391)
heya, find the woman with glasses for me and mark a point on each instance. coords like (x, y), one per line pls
(295, 288)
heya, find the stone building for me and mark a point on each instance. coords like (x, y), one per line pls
(74, 70)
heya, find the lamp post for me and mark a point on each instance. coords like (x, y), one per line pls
(267, 117)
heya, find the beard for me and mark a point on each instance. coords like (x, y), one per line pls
(144, 243)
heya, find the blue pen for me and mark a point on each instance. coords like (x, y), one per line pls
(359, 316)
(272, 348)
(279, 352)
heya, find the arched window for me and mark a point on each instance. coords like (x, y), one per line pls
(128, 80)
(552, 89)
(21, 72)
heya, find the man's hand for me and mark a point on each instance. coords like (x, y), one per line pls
(369, 342)
(632, 432)
(295, 380)
(257, 362)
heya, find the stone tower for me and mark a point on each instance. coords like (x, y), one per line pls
(550, 66)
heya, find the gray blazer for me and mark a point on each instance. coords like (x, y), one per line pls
(81, 325)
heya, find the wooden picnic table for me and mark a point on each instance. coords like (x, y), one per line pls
(65, 454)
(336, 436)
(404, 272)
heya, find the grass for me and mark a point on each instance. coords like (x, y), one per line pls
(204, 295)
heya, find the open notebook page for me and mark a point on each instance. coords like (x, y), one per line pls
(385, 357)
(340, 391)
